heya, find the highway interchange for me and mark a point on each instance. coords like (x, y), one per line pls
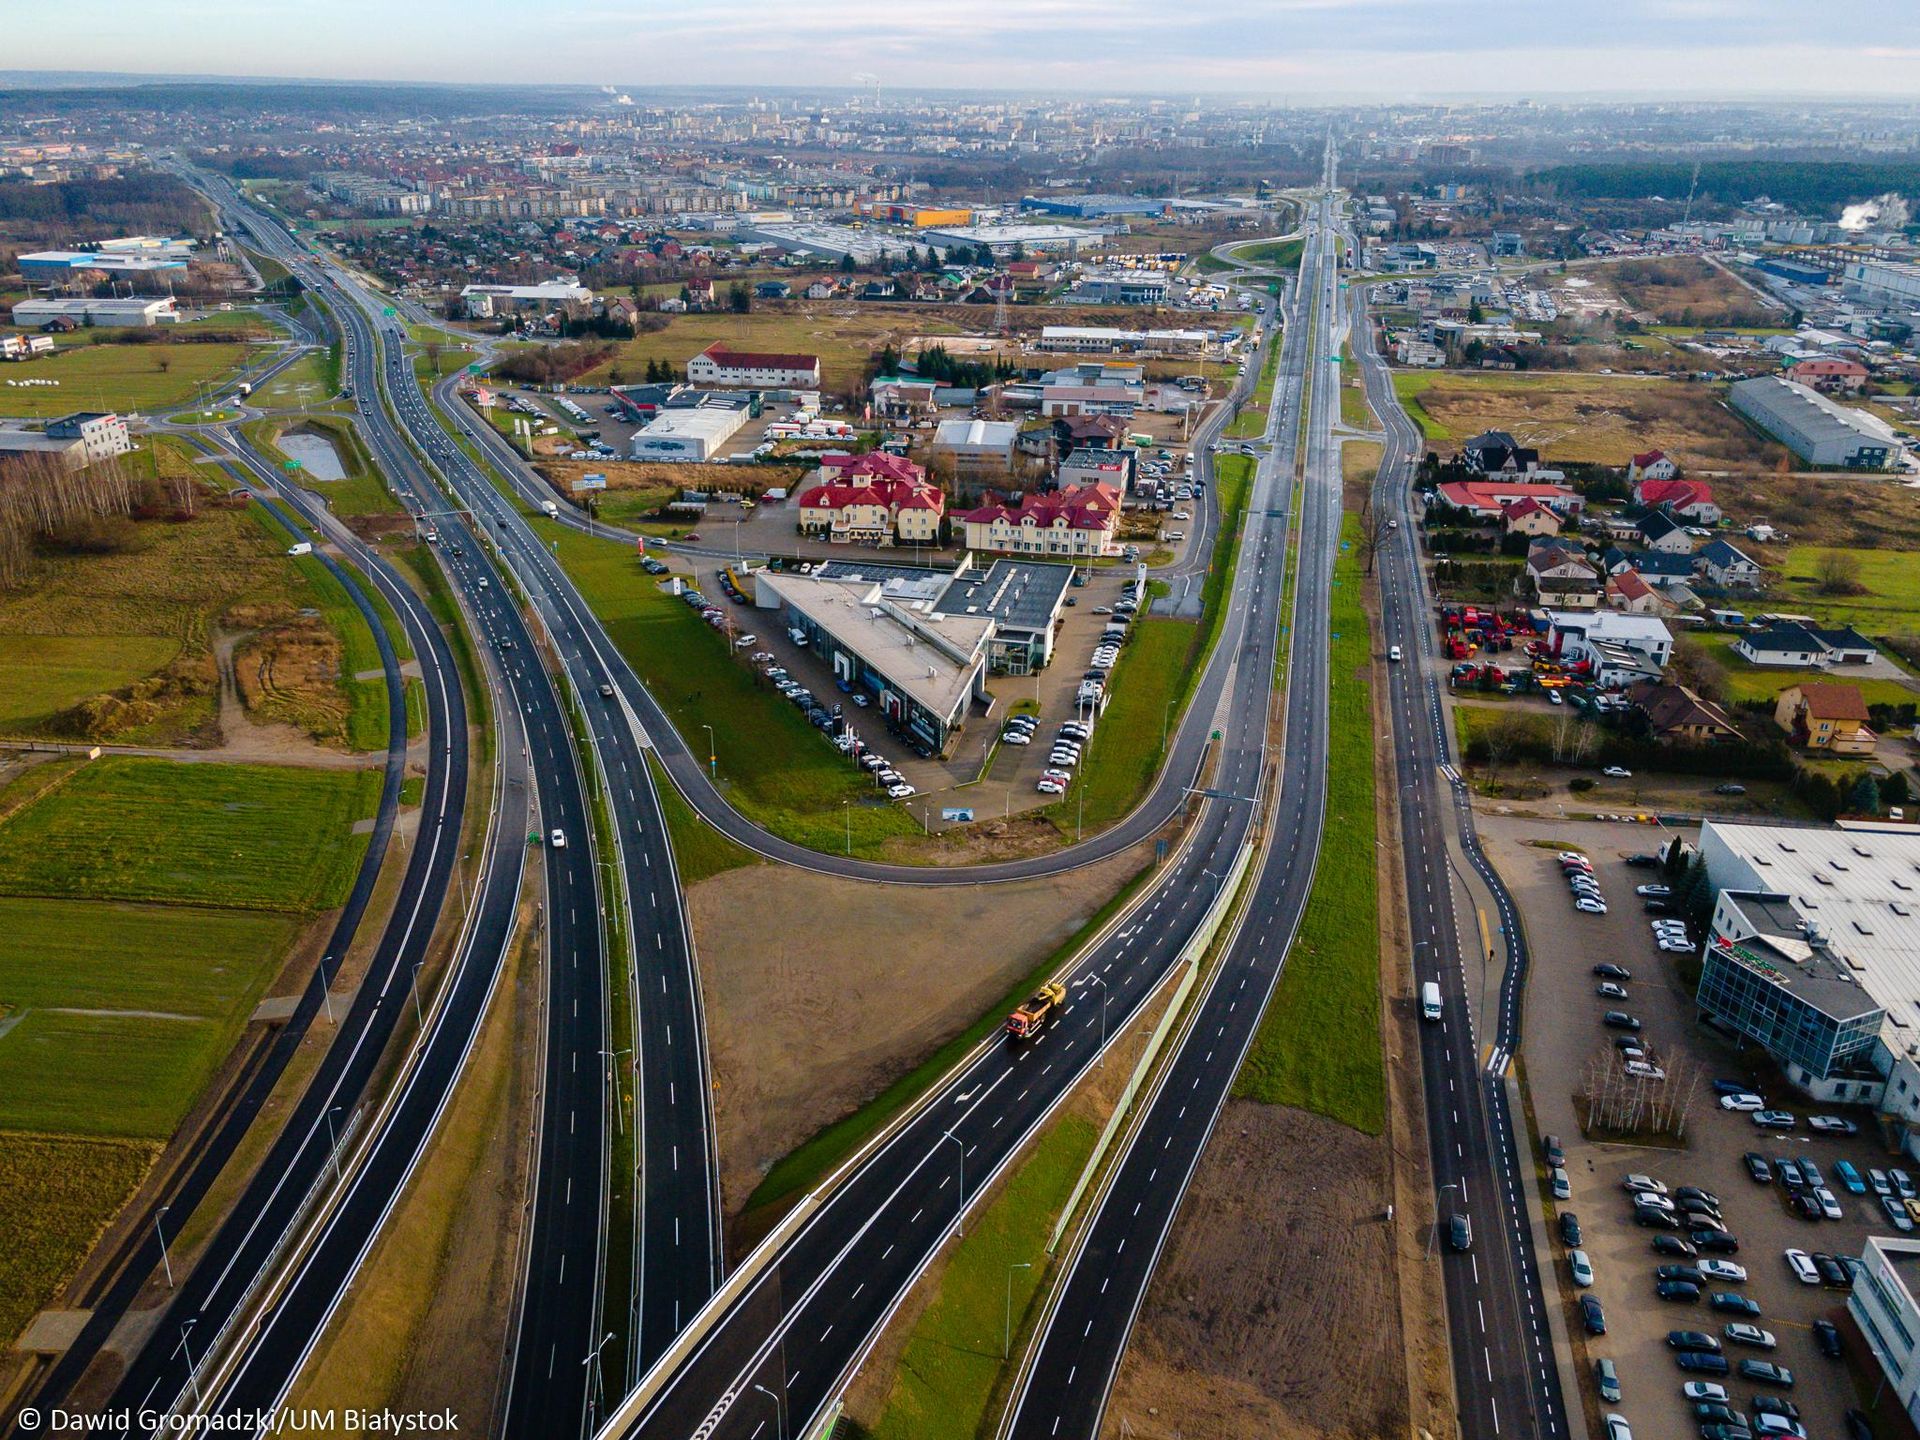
(783, 1345)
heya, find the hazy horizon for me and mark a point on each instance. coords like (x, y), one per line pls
(1309, 50)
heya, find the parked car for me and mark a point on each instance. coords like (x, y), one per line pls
(1896, 1213)
(1826, 1338)
(1610, 991)
(1606, 1379)
(1617, 772)
(1765, 1372)
(1742, 1333)
(1617, 1427)
(1677, 1290)
(1689, 1274)
(1611, 971)
(1705, 1392)
(1731, 1302)
(1723, 1270)
(1701, 1362)
(1714, 1242)
(1773, 1119)
(1832, 1272)
(1592, 1315)
(1804, 1270)
(1878, 1179)
(1642, 1184)
(1653, 892)
(1757, 1168)
(1850, 1177)
(1581, 1266)
(1620, 1020)
(1569, 1228)
(1692, 1340)
(1831, 1125)
(1673, 1245)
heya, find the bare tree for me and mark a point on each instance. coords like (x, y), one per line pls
(1839, 572)
(1373, 533)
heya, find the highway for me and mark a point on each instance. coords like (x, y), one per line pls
(782, 1348)
(676, 1245)
(1505, 1379)
(1084, 1331)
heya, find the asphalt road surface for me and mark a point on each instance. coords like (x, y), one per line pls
(1505, 1378)
(1085, 1331)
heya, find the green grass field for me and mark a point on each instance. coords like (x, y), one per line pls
(774, 766)
(302, 384)
(1319, 1046)
(1276, 254)
(949, 1369)
(247, 836)
(56, 1195)
(43, 675)
(1124, 756)
(1891, 605)
(699, 851)
(1251, 422)
(1743, 682)
(120, 377)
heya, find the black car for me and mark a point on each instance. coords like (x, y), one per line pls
(1620, 1020)
(1694, 1192)
(1611, 971)
(1721, 1431)
(1648, 1219)
(1594, 1317)
(1765, 1372)
(1712, 1410)
(1680, 1272)
(1692, 1340)
(1713, 1242)
(1697, 1205)
(1832, 1272)
(1729, 1302)
(1775, 1405)
(1789, 1172)
(1802, 1203)
(1677, 1290)
(1657, 906)
(1758, 1170)
(1460, 1233)
(1700, 1362)
(1826, 1335)
(1673, 1245)
(1569, 1228)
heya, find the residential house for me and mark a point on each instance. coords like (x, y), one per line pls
(1495, 452)
(1621, 648)
(699, 292)
(1628, 592)
(877, 290)
(1728, 566)
(1827, 717)
(979, 450)
(1661, 533)
(1488, 499)
(1684, 499)
(1674, 712)
(1527, 516)
(1829, 375)
(1650, 465)
(1106, 432)
(773, 290)
(1075, 521)
(1655, 568)
(821, 290)
(1845, 646)
(895, 397)
(1784, 644)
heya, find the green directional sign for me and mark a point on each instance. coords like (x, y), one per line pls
(476, 369)
(1216, 734)
(289, 464)
(389, 310)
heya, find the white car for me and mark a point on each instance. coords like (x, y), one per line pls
(1581, 1266)
(1610, 990)
(901, 791)
(1016, 737)
(1616, 772)
(1393, 652)
(1746, 1102)
(1642, 1184)
(1742, 1333)
(1590, 907)
(1617, 1427)
(1804, 1270)
(1645, 1071)
(1675, 947)
(1051, 787)
(558, 840)
(1063, 776)
(1715, 1269)
(1704, 1390)
(1572, 857)
(1829, 1206)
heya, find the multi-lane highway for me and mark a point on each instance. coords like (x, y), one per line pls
(676, 1244)
(1505, 1379)
(782, 1348)
(1085, 1330)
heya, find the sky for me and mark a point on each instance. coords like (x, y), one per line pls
(1304, 49)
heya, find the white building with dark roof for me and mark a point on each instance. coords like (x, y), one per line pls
(1815, 428)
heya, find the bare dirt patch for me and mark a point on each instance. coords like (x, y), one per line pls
(1852, 511)
(819, 997)
(1686, 290)
(1282, 1261)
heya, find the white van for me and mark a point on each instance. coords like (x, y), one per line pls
(1430, 1000)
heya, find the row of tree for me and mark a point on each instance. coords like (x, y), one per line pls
(42, 503)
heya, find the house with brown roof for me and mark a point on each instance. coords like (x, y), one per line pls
(1628, 592)
(1675, 712)
(1527, 516)
(1828, 717)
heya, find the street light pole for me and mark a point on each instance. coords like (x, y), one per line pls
(619, 1114)
(779, 1409)
(193, 1374)
(961, 1209)
(1006, 1341)
(165, 1263)
(713, 754)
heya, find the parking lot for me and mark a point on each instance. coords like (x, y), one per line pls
(1565, 1039)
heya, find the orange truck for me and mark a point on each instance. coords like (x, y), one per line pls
(1031, 1018)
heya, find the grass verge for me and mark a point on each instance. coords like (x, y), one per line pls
(57, 1194)
(699, 851)
(1319, 1046)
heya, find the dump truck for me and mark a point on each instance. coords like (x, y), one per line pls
(1031, 1018)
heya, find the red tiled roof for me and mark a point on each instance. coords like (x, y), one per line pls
(1677, 493)
(1649, 457)
(755, 360)
(1080, 507)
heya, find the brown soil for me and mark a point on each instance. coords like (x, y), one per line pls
(669, 479)
(783, 973)
(1824, 510)
(1686, 290)
(1274, 1309)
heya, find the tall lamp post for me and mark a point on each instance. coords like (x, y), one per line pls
(1006, 1340)
(713, 754)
